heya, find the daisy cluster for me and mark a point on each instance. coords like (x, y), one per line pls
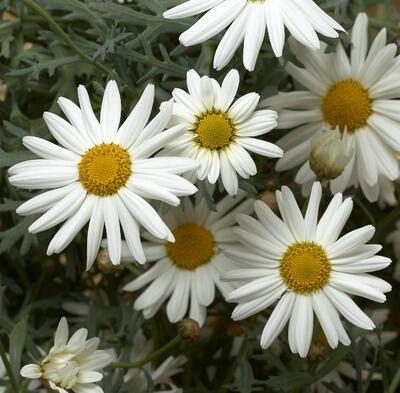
(165, 197)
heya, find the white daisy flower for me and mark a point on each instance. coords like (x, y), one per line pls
(249, 20)
(103, 174)
(71, 365)
(135, 380)
(355, 94)
(220, 131)
(307, 268)
(188, 270)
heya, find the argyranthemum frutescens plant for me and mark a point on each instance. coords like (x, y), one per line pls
(188, 271)
(249, 20)
(358, 95)
(72, 363)
(103, 173)
(220, 130)
(301, 262)
(208, 127)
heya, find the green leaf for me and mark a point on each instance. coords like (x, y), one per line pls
(336, 357)
(17, 343)
(8, 159)
(290, 381)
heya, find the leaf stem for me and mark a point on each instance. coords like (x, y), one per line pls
(388, 220)
(395, 382)
(64, 36)
(154, 355)
(8, 368)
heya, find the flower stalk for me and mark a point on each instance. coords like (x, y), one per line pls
(154, 355)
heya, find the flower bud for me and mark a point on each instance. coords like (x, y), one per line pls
(189, 330)
(104, 262)
(269, 198)
(331, 151)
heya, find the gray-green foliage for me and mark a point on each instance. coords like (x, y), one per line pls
(133, 44)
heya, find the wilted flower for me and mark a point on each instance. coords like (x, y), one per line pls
(331, 151)
(71, 365)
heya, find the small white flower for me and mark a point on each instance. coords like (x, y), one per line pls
(135, 380)
(304, 265)
(219, 130)
(188, 270)
(249, 20)
(71, 365)
(357, 95)
(103, 174)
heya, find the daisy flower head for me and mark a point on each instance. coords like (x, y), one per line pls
(188, 271)
(103, 173)
(220, 130)
(355, 94)
(72, 365)
(248, 20)
(303, 264)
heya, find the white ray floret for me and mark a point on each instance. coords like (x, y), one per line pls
(71, 365)
(188, 271)
(304, 265)
(103, 174)
(248, 21)
(357, 94)
(220, 130)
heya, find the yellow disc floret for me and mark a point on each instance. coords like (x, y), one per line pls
(193, 247)
(347, 104)
(104, 169)
(305, 267)
(214, 131)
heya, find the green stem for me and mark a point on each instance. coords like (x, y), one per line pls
(154, 355)
(383, 224)
(8, 368)
(229, 375)
(395, 382)
(64, 36)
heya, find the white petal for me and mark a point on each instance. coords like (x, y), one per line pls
(278, 319)
(31, 371)
(110, 114)
(113, 231)
(90, 121)
(95, 233)
(137, 119)
(46, 149)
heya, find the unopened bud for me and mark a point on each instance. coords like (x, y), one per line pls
(269, 198)
(128, 298)
(331, 151)
(3, 91)
(189, 330)
(104, 262)
(234, 329)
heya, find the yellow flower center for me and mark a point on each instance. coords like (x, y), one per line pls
(193, 247)
(347, 104)
(305, 267)
(214, 131)
(104, 169)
